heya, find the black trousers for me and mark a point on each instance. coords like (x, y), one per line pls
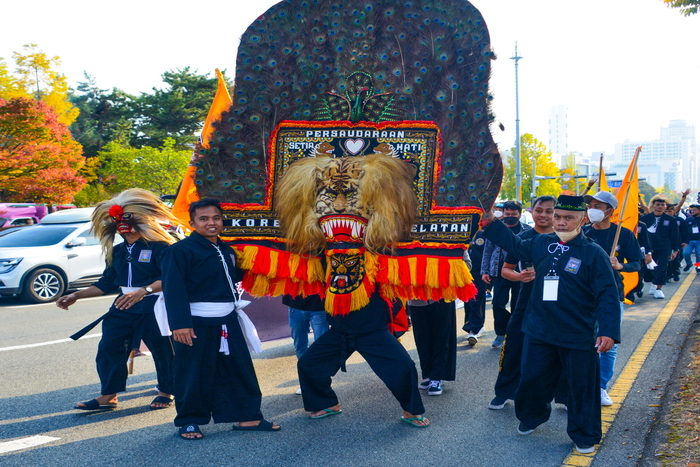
(382, 351)
(503, 291)
(542, 366)
(475, 309)
(435, 333)
(511, 356)
(119, 328)
(209, 384)
(661, 258)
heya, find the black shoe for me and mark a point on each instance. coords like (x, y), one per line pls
(585, 448)
(687, 268)
(523, 430)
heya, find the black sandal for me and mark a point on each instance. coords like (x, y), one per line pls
(190, 429)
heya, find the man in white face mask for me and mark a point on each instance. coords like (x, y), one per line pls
(573, 314)
(627, 257)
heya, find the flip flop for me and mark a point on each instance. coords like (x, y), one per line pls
(419, 418)
(264, 425)
(161, 400)
(328, 413)
(190, 429)
(94, 405)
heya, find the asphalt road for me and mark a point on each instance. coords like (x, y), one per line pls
(40, 385)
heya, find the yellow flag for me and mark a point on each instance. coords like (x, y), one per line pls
(188, 190)
(602, 181)
(627, 213)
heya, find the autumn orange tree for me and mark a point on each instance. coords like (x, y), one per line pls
(39, 159)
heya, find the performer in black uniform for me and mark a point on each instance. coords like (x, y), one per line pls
(663, 230)
(626, 258)
(365, 331)
(573, 314)
(512, 350)
(135, 267)
(214, 374)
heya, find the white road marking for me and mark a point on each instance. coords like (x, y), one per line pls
(25, 443)
(54, 303)
(40, 344)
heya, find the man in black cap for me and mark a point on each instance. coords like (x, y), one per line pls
(663, 230)
(573, 314)
(626, 258)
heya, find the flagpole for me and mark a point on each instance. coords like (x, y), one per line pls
(600, 172)
(635, 159)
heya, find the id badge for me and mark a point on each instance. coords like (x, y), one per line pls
(696, 229)
(550, 289)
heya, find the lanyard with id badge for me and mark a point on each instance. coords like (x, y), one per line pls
(550, 285)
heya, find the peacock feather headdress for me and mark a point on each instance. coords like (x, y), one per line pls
(360, 60)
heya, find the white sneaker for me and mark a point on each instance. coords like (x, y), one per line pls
(471, 339)
(481, 331)
(652, 289)
(605, 398)
(298, 392)
(659, 294)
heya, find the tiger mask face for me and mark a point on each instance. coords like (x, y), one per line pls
(368, 199)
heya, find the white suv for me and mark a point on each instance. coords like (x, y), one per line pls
(40, 262)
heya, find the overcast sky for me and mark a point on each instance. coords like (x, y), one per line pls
(624, 68)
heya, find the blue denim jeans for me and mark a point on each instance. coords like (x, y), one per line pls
(607, 360)
(693, 245)
(299, 321)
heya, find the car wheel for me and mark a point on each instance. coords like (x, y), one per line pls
(43, 286)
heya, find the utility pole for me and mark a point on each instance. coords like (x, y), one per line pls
(518, 175)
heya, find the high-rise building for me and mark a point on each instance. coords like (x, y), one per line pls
(671, 159)
(558, 133)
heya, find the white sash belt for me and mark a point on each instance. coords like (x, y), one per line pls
(219, 310)
(158, 310)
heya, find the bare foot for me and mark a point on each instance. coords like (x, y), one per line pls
(416, 420)
(161, 405)
(103, 400)
(256, 423)
(191, 432)
(326, 412)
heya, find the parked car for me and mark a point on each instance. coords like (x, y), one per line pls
(41, 262)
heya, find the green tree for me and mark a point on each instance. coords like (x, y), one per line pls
(647, 191)
(36, 76)
(687, 7)
(104, 116)
(156, 169)
(39, 159)
(531, 149)
(177, 112)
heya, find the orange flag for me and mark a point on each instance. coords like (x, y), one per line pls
(627, 213)
(188, 190)
(602, 181)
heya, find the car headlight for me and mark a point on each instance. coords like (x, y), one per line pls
(8, 264)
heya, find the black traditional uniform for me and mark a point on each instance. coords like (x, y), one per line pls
(475, 309)
(560, 334)
(365, 331)
(133, 265)
(512, 350)
(208, 383)
(663, 231)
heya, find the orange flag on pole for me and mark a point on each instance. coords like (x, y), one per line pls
(627, 213)
(602, 181)
(188, 190)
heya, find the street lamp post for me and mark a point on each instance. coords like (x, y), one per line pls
(518, 175)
